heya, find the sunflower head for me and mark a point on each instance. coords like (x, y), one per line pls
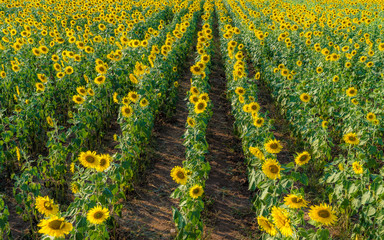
(273, 146)
(304, 97)
(255, 151)
(302, 158)
(127, 111)
(191, 122)
(294, 201)
(89, 159)
(179, 175)
(200, 106)
(323, 214)
(196, 191)
(351, 92)
(104, 162)
(97, 215)
(351, 138)
(271, 168)
(258, 122)
(266, 225)
(55, 227)
(46, 206)
(357, 168)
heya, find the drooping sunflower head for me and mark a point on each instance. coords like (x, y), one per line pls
(282, 221)
(323, 214)
(266, 225)
(255, 151)
(196, 191)
(179, 175)
(273, 146)
(271, 168)
(89, 159)
(302, 158)
(97, 215)
(46, 206)
(104, 162)
(294, 201)
(351, 138)
(55, 227)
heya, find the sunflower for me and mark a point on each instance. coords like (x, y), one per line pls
(101, 69)
(97, 215)
(81, 91)
(351, 138)
(196, 70)
(322, 214)
(258, 122)
(255, 151)
(89, 159)
(46, 206)
(193, 99)
(133, 96)
(371, 116)
(50, 121)
(294, 201)
(144, 102)
(55, 227)
(90, 92)
(99, 80)
(40, 87)
(354, 101)
(281, 220)
(304, 97)
(204, 96)
(74, 188)
(319, 70)
(254, 107)
(179, 175)
(357, 168)
(351, 92)
(302, 158)
(78, 99)
(127, 111)
(196, 191)
(104, 162)
(273, 146)
(266, 225)
(200, 106)
(42, 78)
(191, 122)
(271, 168)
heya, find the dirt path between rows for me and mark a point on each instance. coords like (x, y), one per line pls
(228, 202)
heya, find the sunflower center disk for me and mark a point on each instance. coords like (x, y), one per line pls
(273, 146)
(273, 169)
(297, 200)
(56, 224)
(196, 191)
(303, 158)
(102, 162)
(180, 175)
(90, 159)
(98, 215)
(324, 213)
(48, 206)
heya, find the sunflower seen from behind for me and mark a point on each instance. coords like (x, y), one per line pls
(97, 215)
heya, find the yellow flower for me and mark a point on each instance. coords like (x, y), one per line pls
(294, 201)
(179, 175)
(101, 69)
(99, 80)
(304, 97)
(97, 215)
(271, 168)
(81, 91)
(127, 111)
(240, 91)
(357, 168)
(254, 107)
(144, 102)
(104, 162)
(351, 138)
(258, 122)
(351, 92)
(74, 188)
(200, 106)
(266, 225)
(255, 151)
(78, 99)
(49, 121)
(89, 159)
(371, 116)
(196, 191)
(55, 227)
(281, 219)
(191, 122)
(40, 87)
(46, 206)
(273, 146)
(323, 214)
(133, 96)
(115, 100)
(302, 158)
